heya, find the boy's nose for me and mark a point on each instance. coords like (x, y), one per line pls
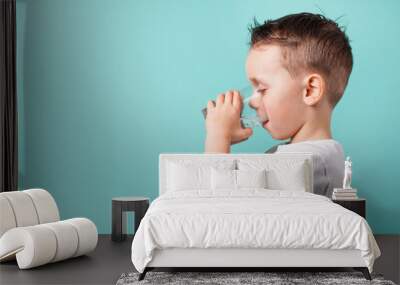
(252, 105)
(254, 101)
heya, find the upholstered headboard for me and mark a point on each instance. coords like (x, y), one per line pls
(239, 158)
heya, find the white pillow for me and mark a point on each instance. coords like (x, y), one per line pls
(281, 174)
(223, 178)
(251, 178)
(185, 175)
(237, 179)
(293, 178)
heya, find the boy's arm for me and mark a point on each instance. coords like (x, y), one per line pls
(217, 144)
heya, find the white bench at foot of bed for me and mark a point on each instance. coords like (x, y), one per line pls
(251, 257)
(242, 258)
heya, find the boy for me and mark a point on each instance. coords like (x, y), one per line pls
(300, 65)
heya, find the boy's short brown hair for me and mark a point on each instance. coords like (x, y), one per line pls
(309, 42)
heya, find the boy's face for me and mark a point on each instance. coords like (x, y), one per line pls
(281, 95)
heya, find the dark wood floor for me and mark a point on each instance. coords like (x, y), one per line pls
(102, 266)
(111, 259)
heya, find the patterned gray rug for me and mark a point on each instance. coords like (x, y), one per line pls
(225, 278)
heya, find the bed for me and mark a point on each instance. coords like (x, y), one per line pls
(244, 211)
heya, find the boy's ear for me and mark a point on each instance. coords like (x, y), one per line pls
(314, 89)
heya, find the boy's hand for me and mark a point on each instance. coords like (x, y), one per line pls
(223, 122)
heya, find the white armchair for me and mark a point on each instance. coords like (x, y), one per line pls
(32, 233)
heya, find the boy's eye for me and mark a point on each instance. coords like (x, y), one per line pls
(261, 91)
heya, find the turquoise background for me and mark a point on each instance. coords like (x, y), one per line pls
(104, 87)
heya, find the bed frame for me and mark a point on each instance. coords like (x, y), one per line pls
(248, 259)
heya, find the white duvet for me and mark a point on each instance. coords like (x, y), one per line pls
(251, 218)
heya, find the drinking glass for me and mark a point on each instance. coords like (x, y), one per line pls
(248, 116)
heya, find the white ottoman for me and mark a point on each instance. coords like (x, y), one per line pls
(31, 232)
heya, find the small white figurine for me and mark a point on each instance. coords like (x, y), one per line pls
(347, 174)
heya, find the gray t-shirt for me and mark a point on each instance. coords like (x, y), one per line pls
(328, 161)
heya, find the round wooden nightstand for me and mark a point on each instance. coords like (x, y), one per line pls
(121, 205)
